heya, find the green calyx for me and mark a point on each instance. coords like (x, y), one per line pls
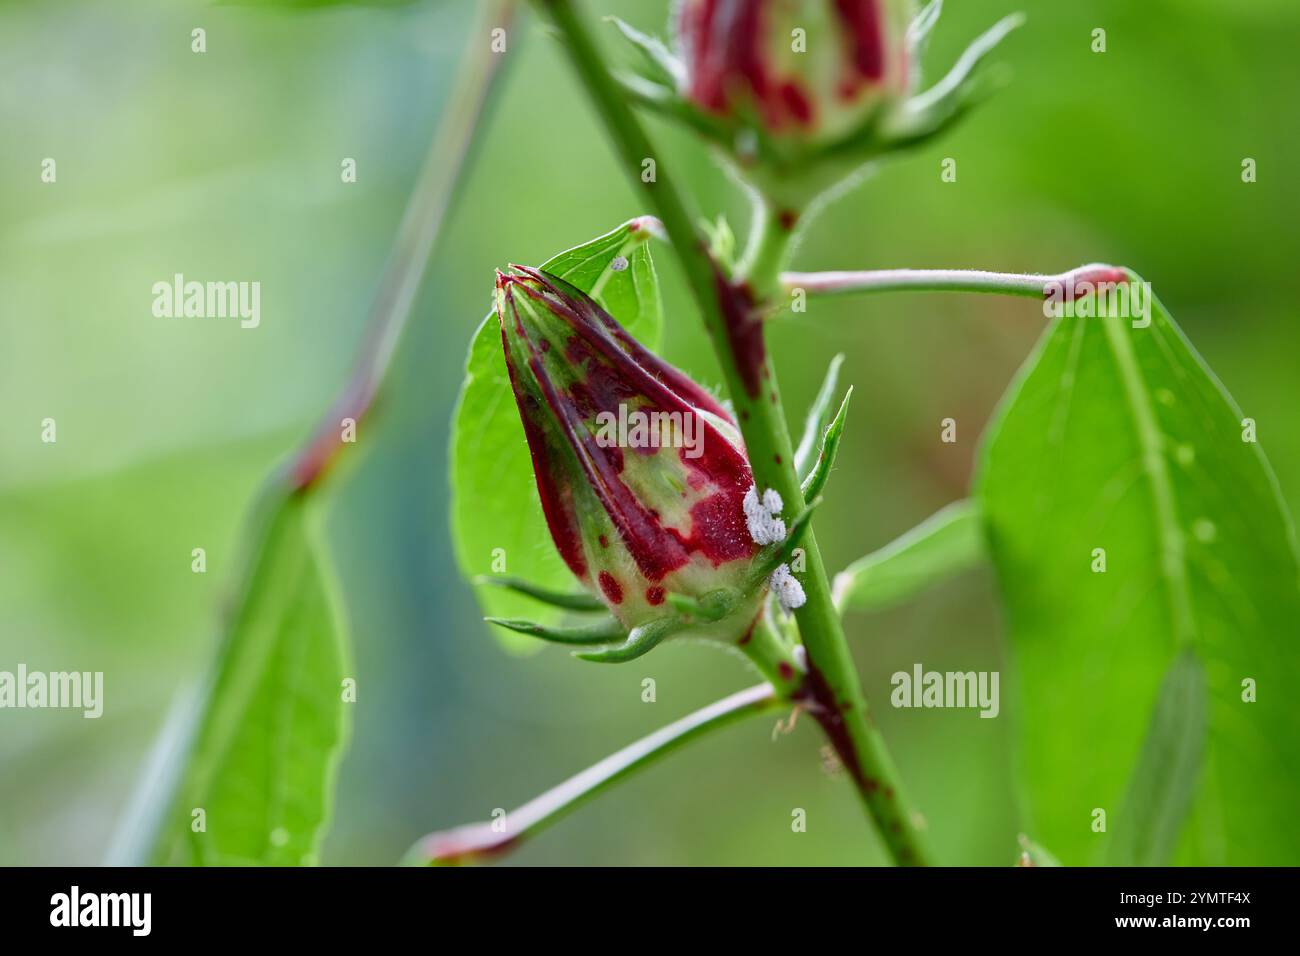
(735, 615)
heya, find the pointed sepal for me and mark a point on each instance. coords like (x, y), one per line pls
(816, 480)
(819, 416)
(640, 640)
(929, 113)
(665, 68)
(922, 25)
(571, 601)
(599, 633)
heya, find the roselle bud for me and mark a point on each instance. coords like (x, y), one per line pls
(641, 472)
(797, 70)
(801, 94)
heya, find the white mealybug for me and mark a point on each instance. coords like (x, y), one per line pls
(788, 590)
(619, 263)
(763, 518)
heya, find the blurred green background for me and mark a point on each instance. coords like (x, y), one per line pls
(226, 165)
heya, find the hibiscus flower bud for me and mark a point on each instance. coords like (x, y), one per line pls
(641, 472)
(799, 71)
(801, 94)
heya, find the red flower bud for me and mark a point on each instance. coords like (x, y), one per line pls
(805, 70)
(641, 473)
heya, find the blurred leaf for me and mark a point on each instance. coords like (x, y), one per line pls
(263, 757)
(1168, 770)
(494, 498)
(1120, 438)
(947, 542)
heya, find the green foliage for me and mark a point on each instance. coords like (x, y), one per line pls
(495, 512)
(1117, 449)
(262, 756)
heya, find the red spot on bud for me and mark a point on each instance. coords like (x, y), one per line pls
(718, 528)
(610, 586)
(655, 594)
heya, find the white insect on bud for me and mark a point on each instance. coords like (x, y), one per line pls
(786, 587)
(763, 517)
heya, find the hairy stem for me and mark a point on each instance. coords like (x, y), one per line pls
(949, 280)
(481, 841)
(769, 240)
(733, 312)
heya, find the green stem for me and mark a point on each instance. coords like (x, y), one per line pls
(774, 658)
(481, 841)
(733, 312)
(769, 241)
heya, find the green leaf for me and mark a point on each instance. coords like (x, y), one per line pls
(1117, 444)
(943, 545)
(1168, 769)
(496, 516)
(261, 761)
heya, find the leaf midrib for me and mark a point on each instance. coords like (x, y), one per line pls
(1151, 440)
